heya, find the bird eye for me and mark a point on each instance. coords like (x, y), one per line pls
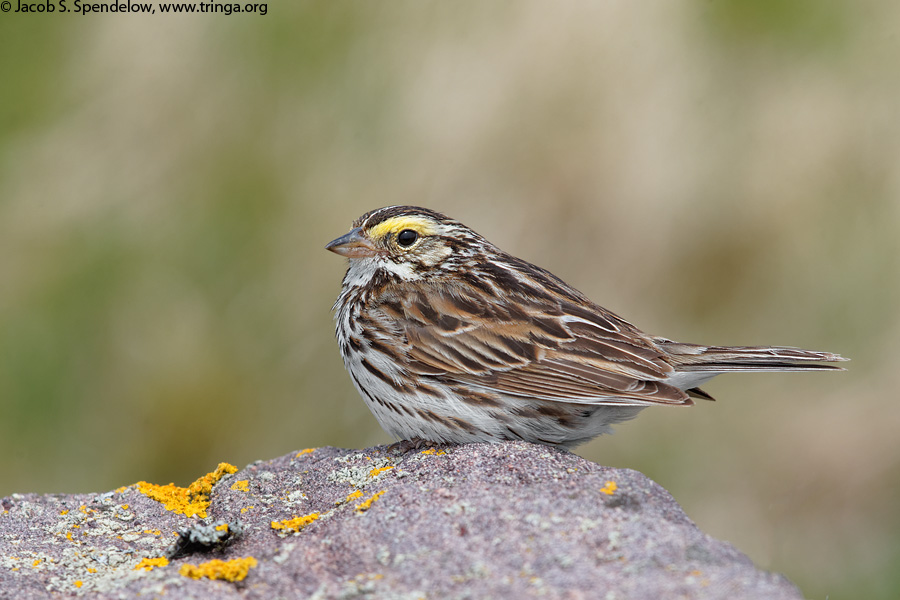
(407, 238)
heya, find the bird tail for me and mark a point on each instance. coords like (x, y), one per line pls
(729, 359)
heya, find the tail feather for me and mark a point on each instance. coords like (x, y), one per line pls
(723, 359)
(724, 367)
(698, 393)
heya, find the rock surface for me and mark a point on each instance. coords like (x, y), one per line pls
(507, 520)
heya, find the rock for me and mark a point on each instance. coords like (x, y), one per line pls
(510, 520)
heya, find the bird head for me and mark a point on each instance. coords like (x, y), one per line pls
(409, 242)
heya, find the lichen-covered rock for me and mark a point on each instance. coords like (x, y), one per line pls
(474, 521)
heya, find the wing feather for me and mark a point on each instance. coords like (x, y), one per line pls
(547, 348)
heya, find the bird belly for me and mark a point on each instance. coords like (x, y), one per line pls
(442, 414)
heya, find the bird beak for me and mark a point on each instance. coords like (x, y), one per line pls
(352, 245)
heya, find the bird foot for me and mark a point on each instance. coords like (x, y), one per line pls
(404, 446)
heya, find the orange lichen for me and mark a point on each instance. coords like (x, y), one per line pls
(305, 451)
(354, 496)
(241, 486)
(36, 562)
(78, 584)
(232, 570)
(148, 564)
(69, 536)
(367, 503)
(609, 489)
(378, 471)
(246, 508)
(295, 524)
(121, 489)
(65, 512)
(91, 570)
(433, 451)
(203, 486)
(191, 501)
(222, 527)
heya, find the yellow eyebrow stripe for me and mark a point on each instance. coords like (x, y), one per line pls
(421, 225)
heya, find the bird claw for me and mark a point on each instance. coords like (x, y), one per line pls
(404, 446)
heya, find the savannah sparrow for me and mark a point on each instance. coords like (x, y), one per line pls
(450, 339)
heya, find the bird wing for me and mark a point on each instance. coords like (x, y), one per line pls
(542, 348)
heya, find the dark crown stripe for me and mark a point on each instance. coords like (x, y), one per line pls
(379, 215)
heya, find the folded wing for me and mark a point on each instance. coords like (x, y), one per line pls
(549, 349)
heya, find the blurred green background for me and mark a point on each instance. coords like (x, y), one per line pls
(714, 171)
